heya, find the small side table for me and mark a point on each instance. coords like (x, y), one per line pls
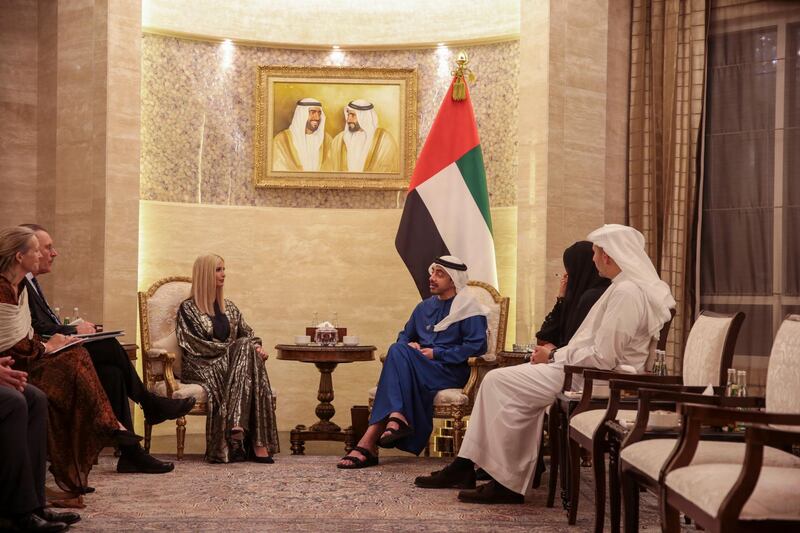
(325, 358)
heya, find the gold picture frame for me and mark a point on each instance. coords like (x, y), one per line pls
(287, 107)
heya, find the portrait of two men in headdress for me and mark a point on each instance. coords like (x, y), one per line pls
(361, 144)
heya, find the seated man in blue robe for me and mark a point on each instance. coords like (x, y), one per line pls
(430, 355)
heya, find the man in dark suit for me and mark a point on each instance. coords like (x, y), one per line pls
(23, 448)
(116, 373)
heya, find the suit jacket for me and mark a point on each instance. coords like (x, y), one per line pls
(42, 322)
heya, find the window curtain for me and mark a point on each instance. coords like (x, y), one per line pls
(749, 236)
(668, 62)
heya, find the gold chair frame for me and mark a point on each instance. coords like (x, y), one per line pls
(151, 376)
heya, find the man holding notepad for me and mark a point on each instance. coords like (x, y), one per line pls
(116, 373)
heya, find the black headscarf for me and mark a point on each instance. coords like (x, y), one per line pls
(582, 276)
(584, 288)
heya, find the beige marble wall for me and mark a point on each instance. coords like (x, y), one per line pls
(87, 157)
(197, 119)
(285, 264)
(571, 177)
(122, 158)
(18, 107)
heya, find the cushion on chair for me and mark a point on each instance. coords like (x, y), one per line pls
(450, 397)
(587, 422)
(443, 397)
(703, 353)
(185, 390)
(649, 456)
(776, 495)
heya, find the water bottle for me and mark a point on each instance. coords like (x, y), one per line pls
(75, 314)
(57, 311)
(741, 381)
(731, 382)
(741, 386)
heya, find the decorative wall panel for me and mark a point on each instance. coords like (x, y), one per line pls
(197, 118)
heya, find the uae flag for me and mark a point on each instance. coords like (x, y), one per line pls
(447, 206)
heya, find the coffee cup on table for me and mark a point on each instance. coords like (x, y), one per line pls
(350, 340)
(302, 340)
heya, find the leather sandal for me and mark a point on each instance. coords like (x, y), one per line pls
(357, 462)
(395, 435)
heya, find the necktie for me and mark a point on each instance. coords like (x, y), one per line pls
(50, 312)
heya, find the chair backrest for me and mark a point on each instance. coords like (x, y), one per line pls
(497, 321)
(158, 312)
(709, 348)
(783, 373)
(660, 343)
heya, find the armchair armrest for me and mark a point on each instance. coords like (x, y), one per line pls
(590, 375)
(478, 366)
(167, 360)
(720, 416)
(756, 437)
(772, 436)
(695, 415)
(608, 375)
(648, 397)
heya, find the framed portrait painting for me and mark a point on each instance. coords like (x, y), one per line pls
(346, 128)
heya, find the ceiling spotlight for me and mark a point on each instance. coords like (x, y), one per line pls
(336, 47)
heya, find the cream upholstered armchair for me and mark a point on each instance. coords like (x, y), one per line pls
(456, 404)
(752, 486)
(161, 364)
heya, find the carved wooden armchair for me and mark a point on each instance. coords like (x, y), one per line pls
(161, 361)
(456, 404)
(754, 486)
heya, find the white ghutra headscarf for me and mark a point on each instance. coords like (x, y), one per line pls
(464, 304)
(307, 145)
(358, 143)
(625, 245)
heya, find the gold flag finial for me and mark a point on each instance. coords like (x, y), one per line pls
(462, 69)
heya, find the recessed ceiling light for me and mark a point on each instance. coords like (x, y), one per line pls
(336, 47)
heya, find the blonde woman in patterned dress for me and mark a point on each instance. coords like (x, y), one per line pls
(222, 354)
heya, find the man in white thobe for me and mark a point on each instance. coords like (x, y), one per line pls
(363, 146)
(304, 145)
(506, 423)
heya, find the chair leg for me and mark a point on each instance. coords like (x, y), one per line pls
(599, 468)
(574, 480)
(614, 485)
(458, 431)
(630, 498)
(539, 469)
(148, 433)
(670, 519)
(180, 430)
(555, 445)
